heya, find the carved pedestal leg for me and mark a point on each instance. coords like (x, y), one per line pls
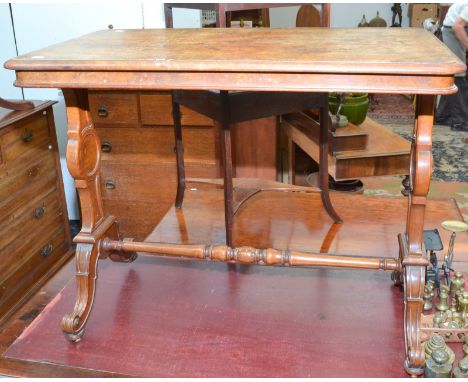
(414, 261)
(86, 256)
(83, 160)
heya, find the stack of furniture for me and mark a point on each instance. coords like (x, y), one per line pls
(34, 232)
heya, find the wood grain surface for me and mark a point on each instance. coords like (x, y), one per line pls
(312, 50)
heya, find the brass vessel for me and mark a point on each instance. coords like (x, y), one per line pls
(457, 283)
(438, 365)
(461, 371)
(463, 303)
(443, 306)
(437, 342)
(427, 298)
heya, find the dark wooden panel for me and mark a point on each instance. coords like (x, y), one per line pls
(156, 109)
(26, 137)
(156, 145)
(32, 216)
(28, 245)
(146, 181)
(114, 109)
(254, 151)
(30, 172)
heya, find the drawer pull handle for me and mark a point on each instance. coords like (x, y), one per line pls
(47, 250)
(102, 111)
(106, 147)
(27, 137)
(39, 212)
(110, 184)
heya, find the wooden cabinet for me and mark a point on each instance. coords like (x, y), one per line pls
(138, 168)
(34, 233)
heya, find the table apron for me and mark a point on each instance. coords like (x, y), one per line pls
(246, 81)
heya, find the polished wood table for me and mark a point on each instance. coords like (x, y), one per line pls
(395, 60)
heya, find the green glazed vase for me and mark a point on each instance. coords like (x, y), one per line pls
(354, 107)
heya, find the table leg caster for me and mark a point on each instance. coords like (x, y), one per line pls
(74, 337)
(414, 372)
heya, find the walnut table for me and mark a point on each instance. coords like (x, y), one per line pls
(395, 60)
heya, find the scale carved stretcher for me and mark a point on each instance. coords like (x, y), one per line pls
(393, 60)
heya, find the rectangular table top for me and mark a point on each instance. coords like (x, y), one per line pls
(287, 52)
(391, 51)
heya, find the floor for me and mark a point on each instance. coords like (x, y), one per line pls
(302, 340)
(192, 318)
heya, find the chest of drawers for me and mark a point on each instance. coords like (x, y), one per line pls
(34, 232)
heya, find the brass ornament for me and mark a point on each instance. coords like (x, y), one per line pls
(461, 371)
(465, 346)
(437, 342)
(457, 317)
(463, 304)
(438, 365)
(378, 22)
(428, 292)
(363, 23)
(443, 306)
(452, 325)
(457, 284)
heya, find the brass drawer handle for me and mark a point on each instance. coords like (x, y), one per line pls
(39, 212)
(27, 137)
(47, 250)
(102, 111)
(106, 147)
(110, 184)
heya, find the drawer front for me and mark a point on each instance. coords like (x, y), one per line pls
(17, 203)
(200, 144)
(29, 218)
(13, 285)
(116, 109)
(26, 175)
(29, 244)
(146, 182)
(26, 139)
(156, 109)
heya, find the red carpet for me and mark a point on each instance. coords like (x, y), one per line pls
(160, 317)
(167, 318)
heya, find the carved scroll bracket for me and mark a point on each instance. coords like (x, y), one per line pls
(83, 157)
